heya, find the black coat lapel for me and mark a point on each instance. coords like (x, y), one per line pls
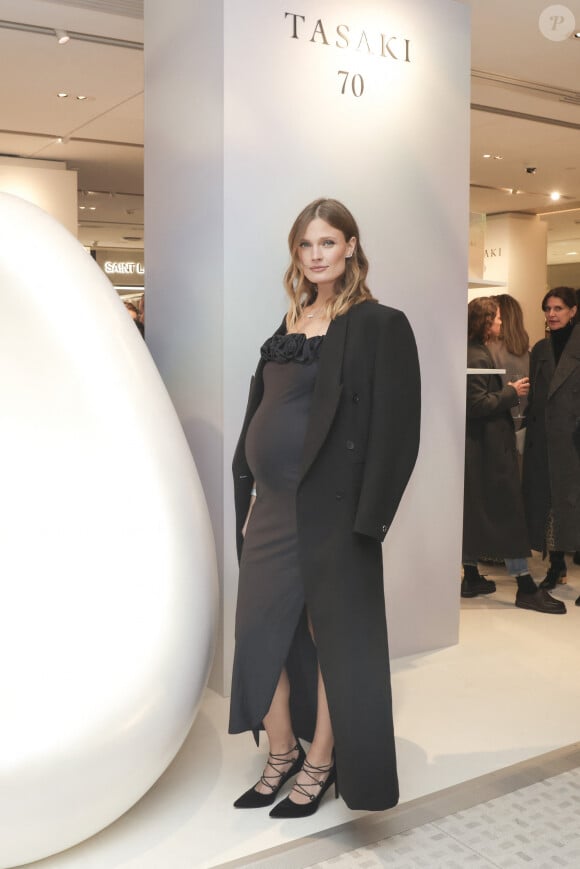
(569, 362)
(327, 391)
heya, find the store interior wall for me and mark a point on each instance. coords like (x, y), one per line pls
(564, 275)
(238, 168)
(48, 184)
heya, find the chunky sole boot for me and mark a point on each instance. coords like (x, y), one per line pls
(473, 587)
(540, 602)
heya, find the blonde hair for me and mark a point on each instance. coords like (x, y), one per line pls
(513, 332)
(350, 288)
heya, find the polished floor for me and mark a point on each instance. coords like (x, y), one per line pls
(474, 722)
(535, 826)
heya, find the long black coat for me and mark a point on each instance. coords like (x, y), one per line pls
(493, 514)
(551, 476)
(360, 448)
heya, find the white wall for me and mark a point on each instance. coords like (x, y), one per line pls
(48, 184)
(244, 126)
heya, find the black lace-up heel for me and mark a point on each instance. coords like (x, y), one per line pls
(253, 799)
(314, 790)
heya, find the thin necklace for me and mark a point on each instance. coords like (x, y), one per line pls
(314, 314)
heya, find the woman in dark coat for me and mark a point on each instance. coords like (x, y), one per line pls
(551, 477)
(328, 443)
(493, 515)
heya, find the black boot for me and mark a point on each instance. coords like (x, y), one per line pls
(529, 597)
(473, 583)
(556, 572)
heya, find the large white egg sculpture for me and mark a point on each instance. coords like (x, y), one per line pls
(107, 561)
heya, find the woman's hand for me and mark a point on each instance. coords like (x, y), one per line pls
(521, 386)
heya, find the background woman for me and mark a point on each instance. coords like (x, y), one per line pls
(511, 349)
(329, 441)
(551, 478)
(493, 515)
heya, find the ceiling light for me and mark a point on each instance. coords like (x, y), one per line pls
(555, 196)
(486, 156)
(82, 207)
(497, 157)
(576, 35)
(63, 140)
(92, 207)
(62, 95)
(572, 253)
(81, 97)
(62, 37)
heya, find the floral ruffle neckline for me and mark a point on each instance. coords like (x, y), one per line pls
(293, 347)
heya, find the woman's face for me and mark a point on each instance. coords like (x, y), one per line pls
(557, 312)
(323, 251)
(495, 328)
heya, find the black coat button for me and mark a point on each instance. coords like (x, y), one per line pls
(350, 445)
(356, 398)
(339, 496)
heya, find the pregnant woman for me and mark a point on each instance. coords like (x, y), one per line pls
(328, 443)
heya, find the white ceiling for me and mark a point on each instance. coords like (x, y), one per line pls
(525, 108)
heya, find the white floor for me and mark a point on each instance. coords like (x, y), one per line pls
(508, 692)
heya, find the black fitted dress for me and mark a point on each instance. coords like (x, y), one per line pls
(271, 626)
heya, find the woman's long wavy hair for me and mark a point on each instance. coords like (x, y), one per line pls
(513, 332)
(480, 316)
(351, 288)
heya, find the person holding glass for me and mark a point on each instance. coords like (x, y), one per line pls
(493, 516)
(328, 443)
(511, 349)
(551, 473)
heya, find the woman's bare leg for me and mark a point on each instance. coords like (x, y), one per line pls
(320, 753)
(278, 727)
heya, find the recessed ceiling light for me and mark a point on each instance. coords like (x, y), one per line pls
(62, 95)
(92, 207)
(572, 253)
(486, 156)
(62, 37)
(577, 34)
(555, 196)
(81, 97)
(82, 207)
(497, 157)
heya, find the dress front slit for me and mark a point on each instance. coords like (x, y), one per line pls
(271, 625)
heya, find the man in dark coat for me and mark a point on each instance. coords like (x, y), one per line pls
(551, 473)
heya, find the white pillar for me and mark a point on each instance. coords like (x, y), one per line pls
(515, 253)
(253, 109)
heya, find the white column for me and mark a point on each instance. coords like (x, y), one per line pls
(253, 110)
(515, 253)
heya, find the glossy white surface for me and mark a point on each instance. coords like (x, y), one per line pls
(505, 694)
(107, 563)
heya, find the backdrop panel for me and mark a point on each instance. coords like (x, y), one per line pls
(273, 106)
